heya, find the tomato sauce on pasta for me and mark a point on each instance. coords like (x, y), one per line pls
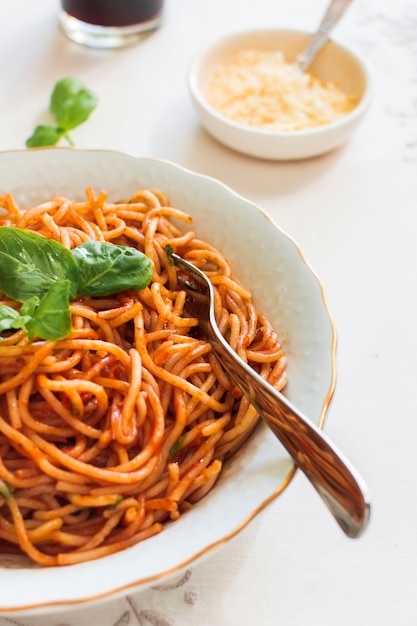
(126, 423)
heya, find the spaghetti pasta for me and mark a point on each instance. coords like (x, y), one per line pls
(126, 423)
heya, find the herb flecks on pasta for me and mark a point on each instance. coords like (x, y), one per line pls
(124, 423)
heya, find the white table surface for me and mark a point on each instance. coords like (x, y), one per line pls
(354, 213)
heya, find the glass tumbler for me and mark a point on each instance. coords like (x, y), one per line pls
(109, 23)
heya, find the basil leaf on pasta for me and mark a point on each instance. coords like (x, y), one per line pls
(52, 316)
(9, 318)
(105, 269)
(44, 275)
(30, 264)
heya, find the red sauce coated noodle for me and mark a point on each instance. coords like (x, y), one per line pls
(126, 423)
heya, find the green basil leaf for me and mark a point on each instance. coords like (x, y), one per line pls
(8, 317)
(12, 321)
(44, 135)
(30, 264)
(47, 318)
(105, 269)
(64, 89)
(169, 251)
(52, 317)
(71, 103)
(29, 307)
(5, 490)
(177, 445)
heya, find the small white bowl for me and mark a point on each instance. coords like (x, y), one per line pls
(335, 63)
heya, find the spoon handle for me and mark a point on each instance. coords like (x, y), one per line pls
(333, 14)
(337, 482)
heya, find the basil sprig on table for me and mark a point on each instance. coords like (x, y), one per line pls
(44, 276)
(71, 104)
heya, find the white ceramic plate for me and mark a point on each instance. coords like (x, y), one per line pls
(287, 291)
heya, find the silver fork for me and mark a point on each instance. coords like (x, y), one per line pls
(337, 482)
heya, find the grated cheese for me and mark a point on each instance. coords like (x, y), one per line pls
(261, 89)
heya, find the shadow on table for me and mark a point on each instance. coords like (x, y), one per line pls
(198, 151)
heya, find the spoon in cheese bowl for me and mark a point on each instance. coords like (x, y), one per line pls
(337, 482)
(331, 17)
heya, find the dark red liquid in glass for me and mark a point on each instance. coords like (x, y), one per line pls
(113, 12)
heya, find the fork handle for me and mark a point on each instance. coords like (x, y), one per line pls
(337, 482)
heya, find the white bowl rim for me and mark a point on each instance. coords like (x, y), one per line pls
(357, 111)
